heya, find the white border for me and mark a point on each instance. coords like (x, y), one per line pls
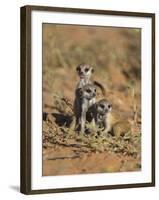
(39, 182)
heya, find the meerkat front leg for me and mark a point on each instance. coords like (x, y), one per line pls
(93, 104)
(106, 127)
(83, 117)
(93, 123)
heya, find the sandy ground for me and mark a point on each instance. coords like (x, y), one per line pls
(65, 160)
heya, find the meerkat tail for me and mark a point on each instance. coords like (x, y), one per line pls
(101, 87)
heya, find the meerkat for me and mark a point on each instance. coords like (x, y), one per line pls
(85, 72)
(106, 120)
(100, 113)
(84, 99)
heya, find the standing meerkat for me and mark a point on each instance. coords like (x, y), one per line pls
(85, 72)
(85, 98)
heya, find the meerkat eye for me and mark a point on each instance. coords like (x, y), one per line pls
(88, 90)
(102, 106)
(109, 106)
(86, 70)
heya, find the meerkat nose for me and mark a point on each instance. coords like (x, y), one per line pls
(94, 94)
(81, 73)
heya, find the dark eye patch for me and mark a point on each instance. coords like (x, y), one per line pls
(102, 106)
(78, 69)
(88, 90)
(109, 106)
(86, 70)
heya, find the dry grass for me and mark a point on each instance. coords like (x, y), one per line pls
(58, 130)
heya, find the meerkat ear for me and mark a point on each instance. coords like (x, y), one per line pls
(92, 70)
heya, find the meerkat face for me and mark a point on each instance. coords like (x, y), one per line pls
(84, 71)
(103, 107)
(88, 91)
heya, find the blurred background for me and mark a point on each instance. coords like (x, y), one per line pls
(115, 54)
